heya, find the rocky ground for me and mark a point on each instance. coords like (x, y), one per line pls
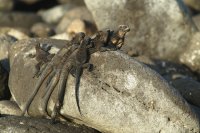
(151, 85)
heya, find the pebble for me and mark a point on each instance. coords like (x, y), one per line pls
(81, 13)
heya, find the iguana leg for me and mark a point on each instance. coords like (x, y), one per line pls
(48, 81)
(61, 91)
(40, 70)
(41, 79)
(79, 71)
(49, 91)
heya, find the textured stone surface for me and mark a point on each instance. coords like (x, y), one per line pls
(121, 95)
(159, 28)
(13, 124)
(9, 108)
(191, 56)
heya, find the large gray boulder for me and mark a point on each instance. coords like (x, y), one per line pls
(159, 28)
(119, 95)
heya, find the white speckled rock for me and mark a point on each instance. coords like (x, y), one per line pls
(159, 28)
(191, 56)
(120, 95)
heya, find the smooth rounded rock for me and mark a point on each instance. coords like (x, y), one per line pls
(119, 95)
(42, 30)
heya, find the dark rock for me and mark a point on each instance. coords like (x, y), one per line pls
(189, 89)
(4, 92)
(159, 28)
(172, 71)
(75, 2)
(16, 124)
(196, 109)
(121, 95)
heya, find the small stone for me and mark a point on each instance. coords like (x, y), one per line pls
(191, 56)
(79, 25)
(62, 36)
(18, 34)
(81, 13)
(42, 30)
(54, 14)
(6, 5)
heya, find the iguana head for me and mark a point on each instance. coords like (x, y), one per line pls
(117, 38)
